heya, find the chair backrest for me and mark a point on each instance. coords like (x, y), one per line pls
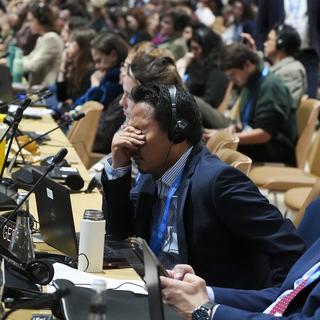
(222, 139)
(313, 194)
(235, 159)
(83, 132)
(306, 116)
(314, 155)
(308, 229)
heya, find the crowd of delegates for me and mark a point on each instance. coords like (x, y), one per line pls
(161, 69)
(77, 49)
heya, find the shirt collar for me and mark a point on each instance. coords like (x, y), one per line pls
(172, 173)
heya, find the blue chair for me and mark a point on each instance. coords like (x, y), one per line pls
(309, 227)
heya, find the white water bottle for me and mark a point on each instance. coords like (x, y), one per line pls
(91, 245)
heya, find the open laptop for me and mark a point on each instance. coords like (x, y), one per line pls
(153, 269)
(55, 215)
(57, 225)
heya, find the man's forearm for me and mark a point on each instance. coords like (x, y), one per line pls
(255, 136)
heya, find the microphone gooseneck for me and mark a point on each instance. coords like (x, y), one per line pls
(57, 158)
(15, 124)
(75, 118)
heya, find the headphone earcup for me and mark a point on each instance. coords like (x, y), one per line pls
(40, 271)
(180, 130)
(279, 43)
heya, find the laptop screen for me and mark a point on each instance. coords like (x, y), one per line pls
(55, 215)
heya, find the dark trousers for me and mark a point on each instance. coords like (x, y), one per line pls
(310, 60)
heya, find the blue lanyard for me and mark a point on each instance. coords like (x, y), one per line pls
(158, 233)
(314, 277)
(247, 109)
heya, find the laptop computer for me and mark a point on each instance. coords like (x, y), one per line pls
(57, 225)
(55, 215)
(152, 271)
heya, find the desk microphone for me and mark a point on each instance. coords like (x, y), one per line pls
(14, 127)
(77, 117)
(16, 118)
(42, 93)
(56, 159)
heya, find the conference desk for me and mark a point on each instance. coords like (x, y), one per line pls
(58, 140)
(79, 201)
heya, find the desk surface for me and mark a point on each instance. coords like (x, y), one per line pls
(80, 201)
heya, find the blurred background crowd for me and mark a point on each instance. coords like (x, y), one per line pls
(84, 50)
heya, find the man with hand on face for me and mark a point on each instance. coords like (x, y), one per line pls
(190, 206)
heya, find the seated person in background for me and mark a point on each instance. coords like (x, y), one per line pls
(242, 20)
(190, 206)
(42, 63)
(108, 52)
(136, 21)
(199, 68)
(139, 68)
(76, 68)
(298, 298)
(282, 44)
(267, 114)
(170, 37)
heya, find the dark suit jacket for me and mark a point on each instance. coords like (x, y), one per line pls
(227, 230)
(304, 306)
(272, 12)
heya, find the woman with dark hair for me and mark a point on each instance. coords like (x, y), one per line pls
(42, 63)
(199, 67)
(172, 24)
(136, 24)
(108, 52)
(243, 21)
(76, 67)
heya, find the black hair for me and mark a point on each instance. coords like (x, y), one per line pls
(235, 55)
(210, 42)
(179, 18)
(248, 13)
(44, 15)
(287, 39)
(108, 41)
(158, 97)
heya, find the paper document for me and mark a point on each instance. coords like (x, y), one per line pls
(84, 279)
(31, 111)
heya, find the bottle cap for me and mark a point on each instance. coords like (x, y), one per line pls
(91, 214)
(99, 285)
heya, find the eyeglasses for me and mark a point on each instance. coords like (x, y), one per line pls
(129, 73)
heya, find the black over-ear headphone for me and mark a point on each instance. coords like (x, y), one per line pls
(38, 271)
(287, 38)
(179, 127)
(279, 39)
(41, 14)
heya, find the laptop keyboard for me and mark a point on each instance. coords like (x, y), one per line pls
(114, 256)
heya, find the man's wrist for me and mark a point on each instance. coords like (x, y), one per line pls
(203, 312)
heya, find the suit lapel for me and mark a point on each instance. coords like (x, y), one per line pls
(308, 260)
(146, 199)
(182, 196)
